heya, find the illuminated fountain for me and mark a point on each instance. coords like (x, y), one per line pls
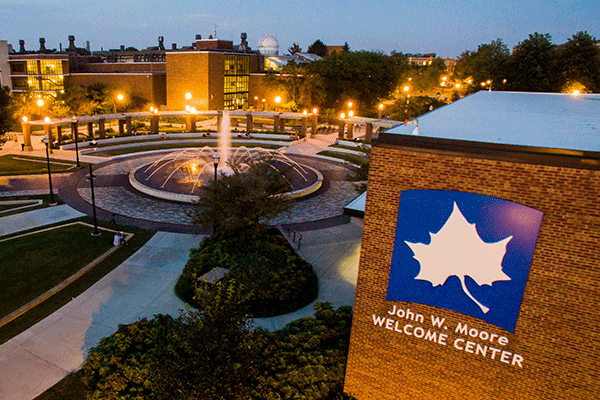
(181, 175)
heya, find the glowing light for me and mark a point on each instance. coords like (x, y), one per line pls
(342, 115)
(305, 112)
(47, 119)
(187, 108)
(349, 104)
(351, 113)
(381, 106)
(40, 103)
(576, 92)
(24, 119)
(188, 95)
(315, 110)
(151, 109)
(470, 81)
(278, 99)
(406, 88)
(488, 82)
(193, 110)
(482, 83)
(445, 78)
(120, 97)
(457, 85)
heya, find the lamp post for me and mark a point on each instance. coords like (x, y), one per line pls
(380, 111)
(75, 133)
(277, 101)
(216, 160)
(90, 178)
(46, 140)
(120, 97)
(188, 97)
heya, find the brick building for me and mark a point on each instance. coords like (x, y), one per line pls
(538, 152)
(216, 72)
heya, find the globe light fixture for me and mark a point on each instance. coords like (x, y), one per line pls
(351, 113)
(188, 96)
(349, 104)
(277, 99)
(24, 119)
(40, 103)
(576, 92)
(315, 110)
(406, 88)
(342, 116)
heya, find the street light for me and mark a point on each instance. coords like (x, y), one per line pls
(315, 110)
(351, 113)
(216, 159)
(349, 104)
(380, 111)
(342, 116)
(46, 140)
(75, 133)
(40, 103)
(90, 178)
(120, 97)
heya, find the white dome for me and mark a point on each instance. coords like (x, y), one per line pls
(268, 46)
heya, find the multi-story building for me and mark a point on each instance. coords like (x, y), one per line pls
(215, 72)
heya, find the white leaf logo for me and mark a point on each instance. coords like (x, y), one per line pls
(457, 250)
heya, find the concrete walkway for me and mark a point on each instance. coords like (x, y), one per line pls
(142, 286)
(36, 218)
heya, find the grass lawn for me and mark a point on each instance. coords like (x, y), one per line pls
(69, 388)
(357, 160)
(179, 146)
(10, 209)
(33, 264)
(12, 164)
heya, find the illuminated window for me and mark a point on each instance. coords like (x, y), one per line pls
(32, 68)
(236, 83)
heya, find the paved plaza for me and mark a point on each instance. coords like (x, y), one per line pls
(142, 286)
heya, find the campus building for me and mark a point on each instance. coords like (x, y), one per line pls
(479, 267)
(216, 72)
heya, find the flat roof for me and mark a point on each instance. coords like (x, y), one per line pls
(540, 120)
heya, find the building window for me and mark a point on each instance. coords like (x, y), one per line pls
(237, 81)
(32, 68)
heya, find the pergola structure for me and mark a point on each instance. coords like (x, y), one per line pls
(53, 127)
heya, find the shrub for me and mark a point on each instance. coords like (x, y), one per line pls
(278, 280)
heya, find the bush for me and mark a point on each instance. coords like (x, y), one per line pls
(278, 280)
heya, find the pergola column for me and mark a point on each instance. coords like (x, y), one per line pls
(154, 124)
(190, 123)
(90, 129)
(368, 132)
(26, 128)
(303, 125)
(73, 129)
(314, 121)
(219, 120)
(121, 127)
(350, 132)
(128, 125)
(102, 128)
(275, 123)
(59, 134)
(281, 125)
(249, 122)
(342, 125)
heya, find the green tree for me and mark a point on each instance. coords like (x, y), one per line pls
(488, 63)
(247, 197)
(211, 357)
(295, 48)
(318, 48)
(580, 62)
(532, 66)
(7, 118)
(361, 76)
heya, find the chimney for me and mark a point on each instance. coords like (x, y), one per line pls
(42, 45)
(161, 43)
(22, 46)
(72, 43)
(173, 46)
(122, 47)
(87, 45)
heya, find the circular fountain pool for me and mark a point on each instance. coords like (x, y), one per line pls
(182, 175)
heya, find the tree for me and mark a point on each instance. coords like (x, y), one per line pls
(6, 110)
(318, 48)
(489, 62)
(362, 76)
(247, 197)
(346, 47)
(295, 49)
(532, 66)
(580, 62)
(211, 357)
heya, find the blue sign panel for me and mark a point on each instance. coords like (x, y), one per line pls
(464, 252)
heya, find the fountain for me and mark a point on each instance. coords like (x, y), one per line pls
(181, 175)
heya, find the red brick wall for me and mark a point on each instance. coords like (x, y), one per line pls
(557, 332)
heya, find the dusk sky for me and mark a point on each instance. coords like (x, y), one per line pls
(411, 26)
